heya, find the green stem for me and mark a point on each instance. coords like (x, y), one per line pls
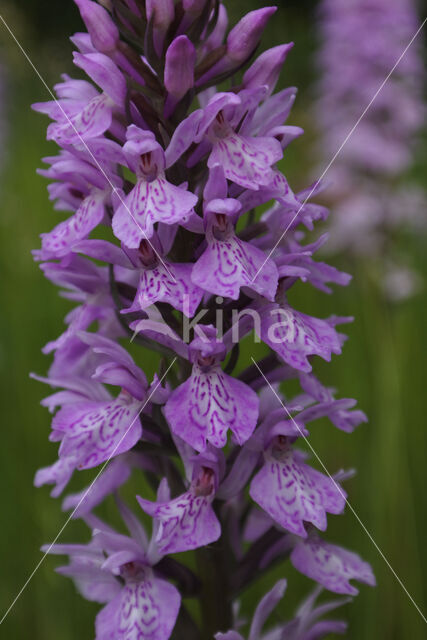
(215, 601)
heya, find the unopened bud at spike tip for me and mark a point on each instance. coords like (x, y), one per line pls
(266, 68)
(194, 6)
(163, 12)
(102, 30)
(244, 37)
(179, 67)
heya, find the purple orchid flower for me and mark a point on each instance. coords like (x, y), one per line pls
(84, 183)
(188, 521)
(330, 566)
(268, 603)
(119, 571)
(228, 263)
(81, 112)
(159, 279)
(210, 402)
(93, 428)
(292, 493)
(153, 199)
(305, 626)
(295, 336)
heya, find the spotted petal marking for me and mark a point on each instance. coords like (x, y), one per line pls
(157, 285)
(148, 203)
(330, 565)
(295, 336)
(186, 523)
(92, 121)
(144, 610)
(94, 431)
(246, 161)
(227, 265)
(291, 492)
(59, 241)
(207, 405)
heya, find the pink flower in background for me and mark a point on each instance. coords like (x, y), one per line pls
(375, 200)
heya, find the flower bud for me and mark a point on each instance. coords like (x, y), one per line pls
(133, 7)
(179, 67)
(244, 37)
(194, 6)
(163, 12)
(192, 12)
(216, 38)
(102, 30)
(266, 69)
(105, 73)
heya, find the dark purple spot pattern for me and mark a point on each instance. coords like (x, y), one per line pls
(92, 121)
(246, 161)
(331, 566)
(295, 336)
(169, 283)
(144, 610)
(148, 203)
(227, 265)
(207, 405)
(93, 431)
(292, 493)
(185, 523)
(58, 242)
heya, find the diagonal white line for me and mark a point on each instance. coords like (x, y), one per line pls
(43, 81)
(343, 495)
(86, 493)
(346, 139)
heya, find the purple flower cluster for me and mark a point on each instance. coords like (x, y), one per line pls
(361, 42)
(162, 174)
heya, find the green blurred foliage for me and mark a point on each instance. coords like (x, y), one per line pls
(383, 366)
